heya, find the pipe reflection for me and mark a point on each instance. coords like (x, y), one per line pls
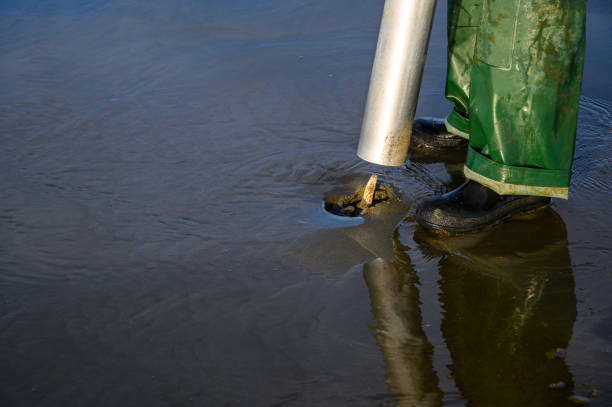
(407, 353)
(509, 307)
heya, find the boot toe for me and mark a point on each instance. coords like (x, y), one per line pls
(440, 214)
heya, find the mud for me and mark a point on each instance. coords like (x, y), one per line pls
(350, 203)
(163, 170)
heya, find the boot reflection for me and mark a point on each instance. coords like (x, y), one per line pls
(406, 351)
(509, 309)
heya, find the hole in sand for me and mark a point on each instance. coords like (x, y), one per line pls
(350, 204)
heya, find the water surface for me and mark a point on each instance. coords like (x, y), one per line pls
(162, 238)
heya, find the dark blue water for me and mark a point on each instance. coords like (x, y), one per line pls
(163, 242)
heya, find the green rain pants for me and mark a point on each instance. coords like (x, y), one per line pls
(514, 77)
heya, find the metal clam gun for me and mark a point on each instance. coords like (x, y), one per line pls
(395, 81)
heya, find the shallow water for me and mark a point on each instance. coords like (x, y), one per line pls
(163, 241)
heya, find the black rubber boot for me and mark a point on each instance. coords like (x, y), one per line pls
(472, 207)
(429, 132)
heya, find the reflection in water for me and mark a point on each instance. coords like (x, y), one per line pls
(509, 309)
(452, 160)
(407, 353)
(336, 250)
(508, 301)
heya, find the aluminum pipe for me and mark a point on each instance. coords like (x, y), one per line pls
(395, 81)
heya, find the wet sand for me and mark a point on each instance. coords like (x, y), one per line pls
(163, 238)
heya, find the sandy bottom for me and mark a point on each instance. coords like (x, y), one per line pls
(164, 168)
